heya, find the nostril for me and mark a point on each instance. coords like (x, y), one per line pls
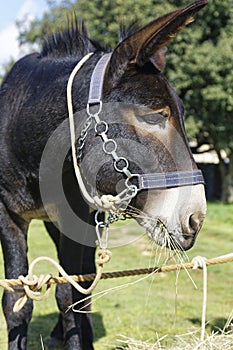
(195, 222)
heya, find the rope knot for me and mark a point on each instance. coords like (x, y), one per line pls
(106, 202)
(30, 281)
(32, 287)
(199, 262)
(104, 256)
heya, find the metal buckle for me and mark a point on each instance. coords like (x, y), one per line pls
(91, 105)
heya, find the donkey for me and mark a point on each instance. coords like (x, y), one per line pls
(143, 115)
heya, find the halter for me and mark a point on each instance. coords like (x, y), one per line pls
(119, 203)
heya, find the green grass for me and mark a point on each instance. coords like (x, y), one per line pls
(165, 304)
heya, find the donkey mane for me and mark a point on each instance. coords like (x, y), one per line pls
(70, 41)
(75, 41)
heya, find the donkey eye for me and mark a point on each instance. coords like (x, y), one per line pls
(155, 118)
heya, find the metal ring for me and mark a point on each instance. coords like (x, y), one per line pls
(126, 165)
(80, 144)
(97, 103)
(96, 217)
(108, 143)
(127, 181)
(83, 134)
(132, 191)
(101, 125)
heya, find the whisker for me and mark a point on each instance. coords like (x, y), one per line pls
(158, 250)
(139, 215)
(178, 251)
(182, 252)
(169, 241)
(135, 212)
(182, 262)
(179, 254)
(153, 276)
(160, 259)
(176, 296)
(151, 255)
(94, 297)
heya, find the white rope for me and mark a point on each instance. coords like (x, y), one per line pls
(200, 262)
(83, 189)
(32, 284)
(106, 202)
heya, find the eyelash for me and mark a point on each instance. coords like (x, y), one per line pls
(155, 118)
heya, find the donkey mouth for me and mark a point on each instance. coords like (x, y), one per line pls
(158, 232)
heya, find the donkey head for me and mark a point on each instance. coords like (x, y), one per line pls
(145, 118)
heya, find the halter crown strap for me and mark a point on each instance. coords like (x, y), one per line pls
(97, 79)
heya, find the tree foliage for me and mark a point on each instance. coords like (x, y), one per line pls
(204, 79)
(102, 17)
(204, 76)
(199, 64)
(6, 68)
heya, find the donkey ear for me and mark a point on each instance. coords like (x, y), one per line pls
(159, 59)
(146, 43)
(164, 29)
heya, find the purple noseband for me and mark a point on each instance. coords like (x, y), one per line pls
(170, 179)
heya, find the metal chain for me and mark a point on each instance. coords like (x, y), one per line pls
(102, 227)
(120, 164)
(82, 137)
